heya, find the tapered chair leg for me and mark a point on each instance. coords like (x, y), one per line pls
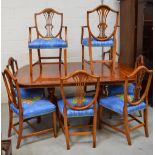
(66, 133)
(146, 123)
(10, 122)
(82, 57)
(30, 62)
(20, 133)
(114, 57)
(91, 60)
(54, 124)
(39, 57)
(127, 132)
(60, 55)
(100, 117)
(94, 131)
(65, 60)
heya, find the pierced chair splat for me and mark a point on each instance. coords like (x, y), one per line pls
(103, 39)
(51, 38)
(26, 109)
(126, 104)
(78, 105)
(24, 92)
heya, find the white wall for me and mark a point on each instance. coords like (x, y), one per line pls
(17, 16)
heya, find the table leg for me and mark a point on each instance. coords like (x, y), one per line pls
(54, 99)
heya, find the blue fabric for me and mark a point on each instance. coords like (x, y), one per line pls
(76, 113)
(47, 43)
(35, 108)
(119, 89)
(97, 43)
(116, 103)
(31, 92)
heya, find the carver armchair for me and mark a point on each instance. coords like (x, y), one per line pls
(49, 36)
(101, 39)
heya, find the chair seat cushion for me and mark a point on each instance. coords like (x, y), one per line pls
(116, 103)
(97, 43)
(47, 43)
(76, 113)
(34, 107)
(119, 89)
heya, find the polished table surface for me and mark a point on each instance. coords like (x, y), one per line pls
(50, 75)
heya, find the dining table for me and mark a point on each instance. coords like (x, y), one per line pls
(49, 76)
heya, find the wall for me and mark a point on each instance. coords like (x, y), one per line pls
(17, 16)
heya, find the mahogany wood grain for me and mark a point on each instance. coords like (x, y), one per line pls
(50, 76)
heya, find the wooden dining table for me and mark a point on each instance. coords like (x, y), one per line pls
(49, 76)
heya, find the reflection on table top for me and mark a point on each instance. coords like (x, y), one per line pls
(50, 75)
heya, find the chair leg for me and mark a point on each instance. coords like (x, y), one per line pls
(60, 55)
(65, 60)
(127, 132)
(54, 124)
(94, 130)
(66, 132)
(114, 57)
(91, 60)
(146, 123)
(20, 132)
(82, 57)
(100, 109)
(10, 122)
(39, 57)
(38, 119)
(30, 62)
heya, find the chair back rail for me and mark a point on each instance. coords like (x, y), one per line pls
(11, 85)
(139, 61)
(138, 74)
(48, 14)
(12, 65)
(81, 79)
(102, 11)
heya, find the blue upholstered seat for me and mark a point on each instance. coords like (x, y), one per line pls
(47, 43)
(76, 113)
(97, 43)
(116, 103)
(119, 89)
(34, 107)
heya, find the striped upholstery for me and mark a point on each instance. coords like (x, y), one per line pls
(47, 43)
(97, 43)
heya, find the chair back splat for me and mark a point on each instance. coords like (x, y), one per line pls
(139, 75)
(12, 88)
(102, 11)
(48, 14)
(81, 79)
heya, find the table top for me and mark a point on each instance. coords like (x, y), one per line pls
(50, 75)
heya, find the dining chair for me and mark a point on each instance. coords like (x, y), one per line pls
(102, 39)
(26, 109)
(78, 105)
(50, 32)
(119, 88)
(126, 104)
(24, 92)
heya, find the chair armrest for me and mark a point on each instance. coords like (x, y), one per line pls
(65, 27)
(30, 28)
(82, 34)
